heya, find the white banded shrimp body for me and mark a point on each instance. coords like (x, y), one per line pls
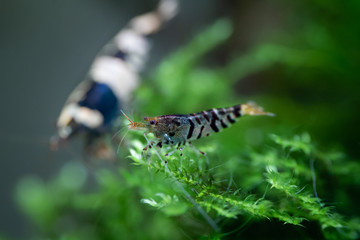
(93, 106)
(180, 129)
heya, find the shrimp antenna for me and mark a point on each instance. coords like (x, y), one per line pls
(134, 125)
(126, 116)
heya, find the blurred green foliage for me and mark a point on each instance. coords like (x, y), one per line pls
(264, 176)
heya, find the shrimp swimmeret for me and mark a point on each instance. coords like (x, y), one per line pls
(179, 129)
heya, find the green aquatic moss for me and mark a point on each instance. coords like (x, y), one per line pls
(261, 177)
(130, 198)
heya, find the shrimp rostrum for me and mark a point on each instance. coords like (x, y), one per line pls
(180, 129)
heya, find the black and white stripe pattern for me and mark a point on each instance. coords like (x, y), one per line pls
(181, 128)
(120, 61)
(214, 120)
(113, 76)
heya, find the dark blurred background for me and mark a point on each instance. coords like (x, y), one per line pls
(48, 46)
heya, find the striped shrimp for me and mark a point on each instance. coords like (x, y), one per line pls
(93, 106)
(180, 129)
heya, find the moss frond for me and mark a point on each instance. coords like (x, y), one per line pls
(261, 172)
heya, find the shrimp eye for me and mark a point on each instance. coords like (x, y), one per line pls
(152, 122)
